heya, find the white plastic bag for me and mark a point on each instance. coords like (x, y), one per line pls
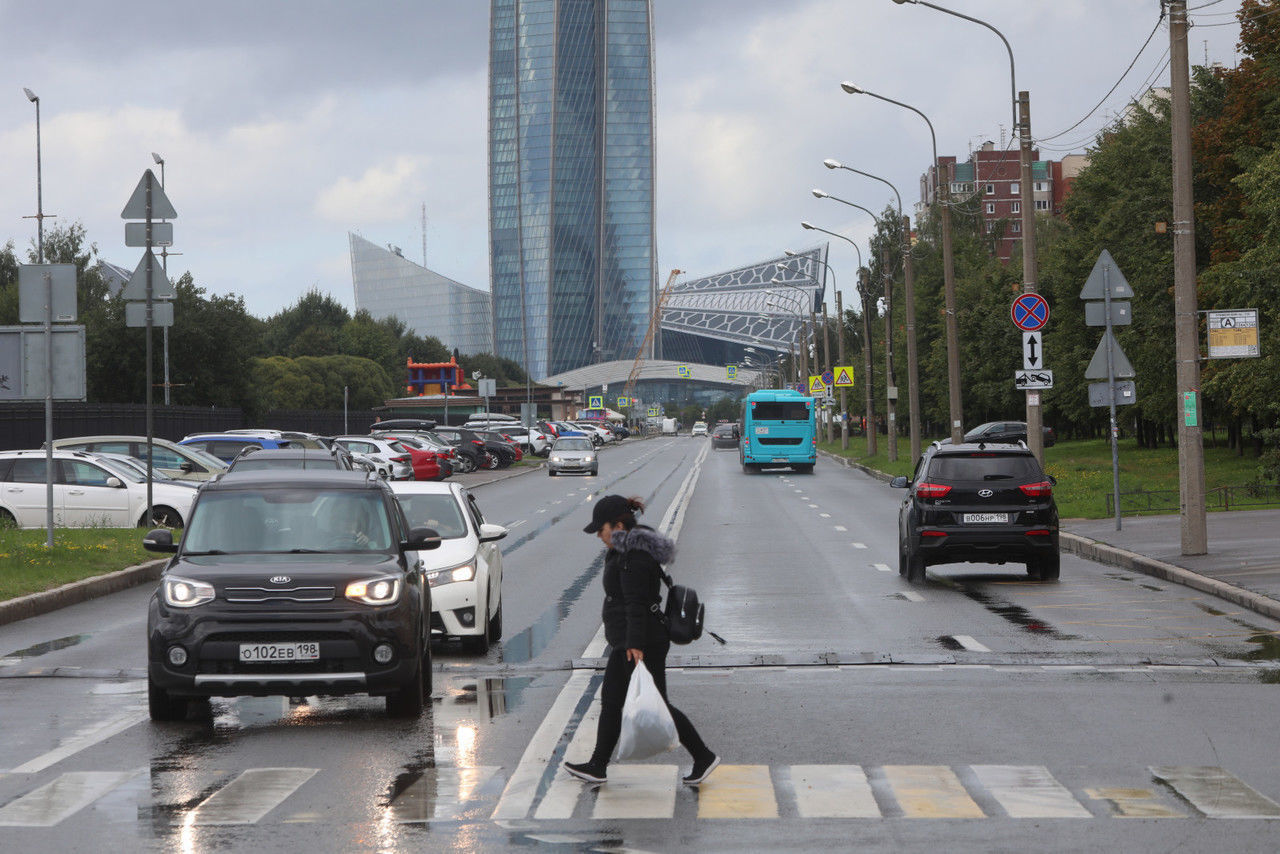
(647, 727)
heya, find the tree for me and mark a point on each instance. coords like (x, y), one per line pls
(310, 327)
(317, 382)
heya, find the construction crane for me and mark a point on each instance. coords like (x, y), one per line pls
(630, 388)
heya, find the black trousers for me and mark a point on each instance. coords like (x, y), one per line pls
(613, 693)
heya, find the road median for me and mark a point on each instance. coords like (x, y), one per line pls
(35, 604)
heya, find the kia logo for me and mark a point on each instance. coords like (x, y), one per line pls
(982, 493)
(284, 579)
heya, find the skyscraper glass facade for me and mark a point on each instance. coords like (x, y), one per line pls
(571, 163)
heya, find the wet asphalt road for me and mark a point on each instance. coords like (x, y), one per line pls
(978, 712)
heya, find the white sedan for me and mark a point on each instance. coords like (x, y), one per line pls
(465, 573)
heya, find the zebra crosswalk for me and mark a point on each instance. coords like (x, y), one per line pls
(653, 791)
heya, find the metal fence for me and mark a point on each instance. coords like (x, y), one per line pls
(1218, 498)
(22, 424)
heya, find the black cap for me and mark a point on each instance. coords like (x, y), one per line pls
(611, 508)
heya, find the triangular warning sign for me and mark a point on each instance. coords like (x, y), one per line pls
(136, 208)
(816, 385)
(1120, 366)
(844, 377)
(161, 287)
(1106, 274)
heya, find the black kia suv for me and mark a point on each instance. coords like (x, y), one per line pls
(981, 503)
(291, 583)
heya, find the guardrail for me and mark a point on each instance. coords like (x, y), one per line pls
(1218, 498)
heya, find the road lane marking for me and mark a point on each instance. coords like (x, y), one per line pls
(825, 515)
(249, 797)
(439, 794)
(930, 791)
(841, 528)
(833, 791)
(562, 798)
(855, 545)
(911, 596)
(973, 646)
(738, 791)
(1133, 803)
(1216, 793)
(61, 798)
(638, 791)
(813, 506)
(517, 523)
(883, 567)
(81, 742)
(1029, 791)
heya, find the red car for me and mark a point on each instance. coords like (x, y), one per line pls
(425, 462)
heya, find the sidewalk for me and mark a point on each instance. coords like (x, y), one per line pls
(1242, 565)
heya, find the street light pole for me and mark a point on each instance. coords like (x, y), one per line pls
(48, 334)
(164, 263)
(908, 288)
(948, 269)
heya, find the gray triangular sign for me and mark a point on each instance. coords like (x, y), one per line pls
(161, 288)
(1095, 285)
(136, 208)
(1120, 366)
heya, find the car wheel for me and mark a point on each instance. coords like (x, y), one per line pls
(466, 464)
(408, 701)
(7, 521)
(495, 625)
(551, 472)
(595, 471)
(162, 706)
(915, 567)
(902, 559)
(161, 517)
(806, 468)
(1049, 568)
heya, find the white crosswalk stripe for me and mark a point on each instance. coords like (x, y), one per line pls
(1217, 793)
(833, 791)
(249, 797)
(1029, 791)
(440, 795)
(61, 798)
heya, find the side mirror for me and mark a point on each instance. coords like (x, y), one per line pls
(490, 533)
(160, 540)
(900, 482)
(187, 466)
(421, 540)
(1053, 480)
(114, 482)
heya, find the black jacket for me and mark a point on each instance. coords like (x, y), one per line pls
(632, 583)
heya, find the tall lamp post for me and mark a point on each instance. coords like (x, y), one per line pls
(1018, 102)
(908, 287)
(35, 99)
(164, 263)
(866, 336)
(48, 333)
(802, 345)
(948, 269)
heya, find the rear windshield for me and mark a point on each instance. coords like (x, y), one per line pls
(779, 411)
(261, 463)
(984, 467)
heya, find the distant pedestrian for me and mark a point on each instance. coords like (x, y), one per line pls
(635, 631)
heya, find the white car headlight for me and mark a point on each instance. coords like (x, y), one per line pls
(589, 458)
(185, 593)
(383, 590)
(556, 460)
(463, 572)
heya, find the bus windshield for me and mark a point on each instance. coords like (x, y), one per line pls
(779, 410)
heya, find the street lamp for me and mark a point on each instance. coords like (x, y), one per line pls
(48, 334)
(948, 268)
(794, 304)
(35, 99)
(1030, 271)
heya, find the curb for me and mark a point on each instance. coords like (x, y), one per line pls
(35, 604)
(848, 463)
(1113, 556)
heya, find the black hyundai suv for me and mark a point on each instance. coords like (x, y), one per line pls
(293, 583)
(981, 503)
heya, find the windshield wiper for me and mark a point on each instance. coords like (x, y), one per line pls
(203, 554)
(306, 551)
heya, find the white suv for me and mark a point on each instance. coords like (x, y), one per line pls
(88, 492)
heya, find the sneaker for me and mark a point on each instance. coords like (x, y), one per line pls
(702, 770)
(592, 772)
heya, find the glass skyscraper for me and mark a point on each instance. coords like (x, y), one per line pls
(571, 169)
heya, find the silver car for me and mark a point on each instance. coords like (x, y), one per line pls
(573, 453)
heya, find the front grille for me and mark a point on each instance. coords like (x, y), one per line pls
(275, 636)
(779, 440)
(253, 595)
(230, 667)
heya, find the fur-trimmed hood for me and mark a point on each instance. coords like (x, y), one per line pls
(645, 539)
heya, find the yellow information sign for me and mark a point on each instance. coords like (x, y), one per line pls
(817, 386)
(844, 376)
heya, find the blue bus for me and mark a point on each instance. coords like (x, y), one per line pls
(779, 428)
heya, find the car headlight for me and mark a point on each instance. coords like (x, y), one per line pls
(384, 590)
(185, 593)
(589, 458)
(556, 460)
(464, 572)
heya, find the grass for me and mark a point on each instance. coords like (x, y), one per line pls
(1083, 470)
(27, 566)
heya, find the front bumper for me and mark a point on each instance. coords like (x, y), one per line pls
(456, 610)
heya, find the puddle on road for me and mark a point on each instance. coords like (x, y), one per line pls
(45, 648)
(1212, 612)
(493, 696)
(528, 644)
(948, 642)
(1015, 614)
(1268, 648)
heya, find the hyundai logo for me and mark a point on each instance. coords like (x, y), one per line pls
(284, 579)
(982, 493)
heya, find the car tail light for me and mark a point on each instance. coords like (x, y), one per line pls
(933, 533)
(403, 458)
(1038, 532)
(932, 490)
(1043, 489)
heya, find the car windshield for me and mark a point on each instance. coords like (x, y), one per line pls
(289, 519)
(951, 467)
(125, 470)
(205, 457)
(573, 444)
(439, 511)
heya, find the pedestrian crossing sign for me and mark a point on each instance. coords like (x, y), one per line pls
(817, 386)
(683, 371)
(595, 401)
(623, 402)
(844, 376)
(653, 412)
(731, 371)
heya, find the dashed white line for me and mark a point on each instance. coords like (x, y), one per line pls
(883, 567)
(855, 545)
(970, 644)
(911, 596)
(814, 506)
(825, 515)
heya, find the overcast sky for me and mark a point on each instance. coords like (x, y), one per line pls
(287, 123)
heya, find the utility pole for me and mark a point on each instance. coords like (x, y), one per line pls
(1030, 269)
(913, 360)
(844, 409)
(826, 357)
(864, 276)
(1195, 538)
(949, 290)
(890, 385)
